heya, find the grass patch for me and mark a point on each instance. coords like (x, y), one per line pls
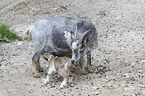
(6, 35)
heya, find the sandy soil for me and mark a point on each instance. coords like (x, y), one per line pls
(119, 60)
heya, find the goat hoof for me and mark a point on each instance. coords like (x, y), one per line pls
(62, 86)
(40, 69)
(45, 81)
(37, 75)
(90, 70)
(84, 72)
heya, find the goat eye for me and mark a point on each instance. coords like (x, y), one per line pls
(81, 50)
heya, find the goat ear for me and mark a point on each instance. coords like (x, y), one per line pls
(87, 41)
(72, 35)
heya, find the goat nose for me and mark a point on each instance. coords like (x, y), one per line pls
(72, 61)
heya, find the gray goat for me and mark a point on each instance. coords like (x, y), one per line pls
(63, 36)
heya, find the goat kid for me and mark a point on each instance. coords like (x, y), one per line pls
(58, 64)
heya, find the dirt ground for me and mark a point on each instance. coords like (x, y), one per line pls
(118, 62)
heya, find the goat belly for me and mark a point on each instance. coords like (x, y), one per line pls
(61, 53)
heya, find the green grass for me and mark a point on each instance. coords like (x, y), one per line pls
(7, 35)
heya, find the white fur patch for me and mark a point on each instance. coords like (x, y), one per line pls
(52, 68)
(64, 82)
(74, 45)
(67, 35)
(46, 80)
(66, 64)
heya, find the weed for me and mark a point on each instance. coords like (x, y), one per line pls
(6, 34)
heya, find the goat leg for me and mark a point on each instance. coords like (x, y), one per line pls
(34, 69)
(64, 82)
(40, 69)
(83, 66)
(47, 79)
(89, 68)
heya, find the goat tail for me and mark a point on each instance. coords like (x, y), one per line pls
(29, 33)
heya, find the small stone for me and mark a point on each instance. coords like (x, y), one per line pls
(126, 75)
(129, 89)
(97, 93)
(19, 43)
(140, 71)
(141, 86)
(143, 61)
(127, 94)
(143, 91)
(133, 63)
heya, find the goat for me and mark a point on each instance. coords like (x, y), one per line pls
(63, 36)
(58, 64)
